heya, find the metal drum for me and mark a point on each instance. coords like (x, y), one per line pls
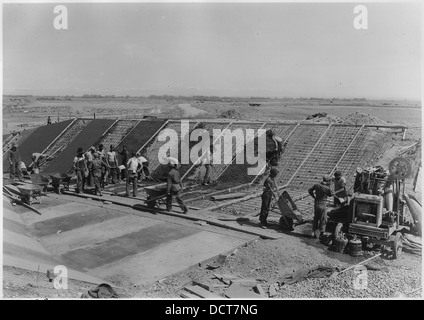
(340, 244)
(355, 247)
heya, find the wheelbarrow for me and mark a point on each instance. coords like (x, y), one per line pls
(156, 195)
(30, 193)
(40, 180)
(288, 210)
(58, 179)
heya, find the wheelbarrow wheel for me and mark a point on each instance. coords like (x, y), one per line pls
(397, 245)
(150, 203)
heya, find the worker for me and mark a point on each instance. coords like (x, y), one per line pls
(174, 186)
(274, 148)
(207, 163)
(143, 171)
(96, 169)
(105, 171)
(320, 192)
(36, 157)
(269, 191)
(89, 156)
(131, 169)
(81, 170)
(15, 163)
(49, 120)
(112, 164)
(339, 187)
(125, 154)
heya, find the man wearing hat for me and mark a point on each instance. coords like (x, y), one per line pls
(81, 170)
(339, 187)
(320, 192)
(36, 158)
(15, 163)
(268, 192)
(173, 186)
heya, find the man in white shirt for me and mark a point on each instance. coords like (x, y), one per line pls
(132, 172)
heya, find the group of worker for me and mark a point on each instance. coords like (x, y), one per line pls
(101, 167)
(17, 167)
(319, 192)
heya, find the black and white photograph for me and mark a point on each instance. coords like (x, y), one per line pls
(220, 152)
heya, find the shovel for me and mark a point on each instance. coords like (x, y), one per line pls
(335, 273)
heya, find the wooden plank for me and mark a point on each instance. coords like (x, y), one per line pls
(236, 291)
(260, 290)
(188, 295)
(228, 196)
(202, 292)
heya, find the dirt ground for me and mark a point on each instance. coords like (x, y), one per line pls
(263, 260)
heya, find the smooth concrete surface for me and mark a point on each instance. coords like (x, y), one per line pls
(101, 242)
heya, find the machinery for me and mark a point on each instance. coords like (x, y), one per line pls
(375, 213)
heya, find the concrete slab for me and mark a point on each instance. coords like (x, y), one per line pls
(10, 260)
(72, 221)
(169, 258)
(56, 211)
(94, 234)
(126, 245)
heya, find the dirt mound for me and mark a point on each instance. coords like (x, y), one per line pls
(362, 118)
(323, 117)
(231, 114)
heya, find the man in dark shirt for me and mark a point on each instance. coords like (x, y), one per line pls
(173, 187)
(15, 163)
(320, 192)
(269, 191)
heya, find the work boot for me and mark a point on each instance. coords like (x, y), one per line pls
(264, 225)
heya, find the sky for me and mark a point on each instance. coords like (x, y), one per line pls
(222, 49)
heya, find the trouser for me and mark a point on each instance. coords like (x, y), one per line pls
(132, 179)
(266, 204)
(89, 178)
(208, 174)
(320, 217)
(16, 171)
(113, 172)
(80, 181)
(177, 195)
(336, 201)
(123, 174)
(97, 186)
(146, 171)
(105, 175)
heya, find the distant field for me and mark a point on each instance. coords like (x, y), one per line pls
(31, 111)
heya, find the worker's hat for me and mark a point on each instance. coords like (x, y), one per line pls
(338, 173)
(80, 150)
(326, 180)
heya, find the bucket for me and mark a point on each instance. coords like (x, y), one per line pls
(340, 244)
(326, 238)
(355, 247)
